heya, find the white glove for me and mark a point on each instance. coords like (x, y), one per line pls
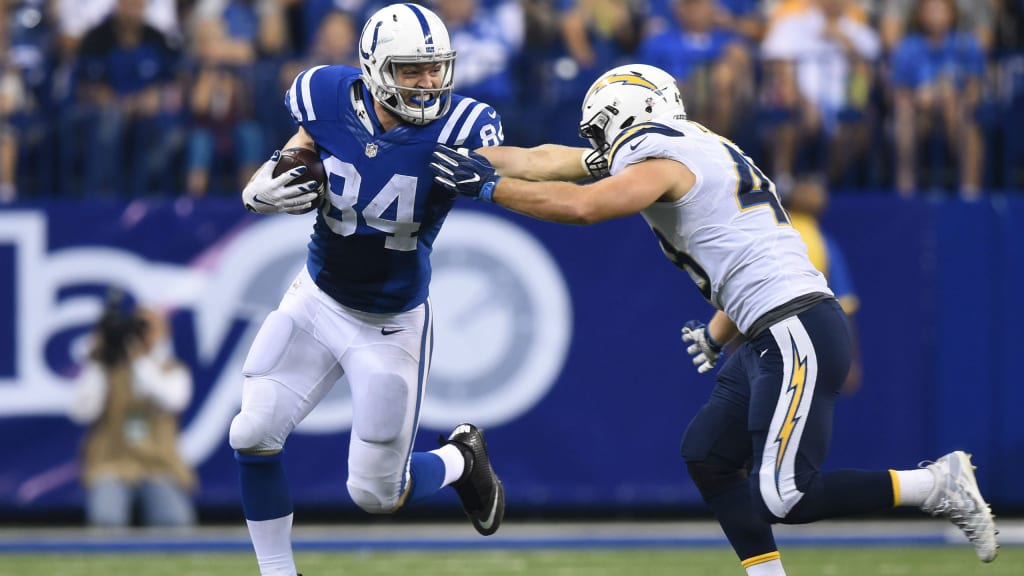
(702, 346)
(267, 194)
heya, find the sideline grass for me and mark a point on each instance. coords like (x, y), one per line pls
(938, 561)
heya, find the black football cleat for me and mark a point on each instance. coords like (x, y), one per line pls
(481, 492)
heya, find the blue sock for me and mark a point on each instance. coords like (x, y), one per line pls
(427, 471)
(265, 492)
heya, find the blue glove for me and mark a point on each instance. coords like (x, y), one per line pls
(702, 346)
(465, 172)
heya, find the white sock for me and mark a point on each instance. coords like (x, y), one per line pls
(272, 540)
(769, 568)
(454, 462)
(911, 487)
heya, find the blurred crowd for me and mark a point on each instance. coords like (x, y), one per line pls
(166, 97)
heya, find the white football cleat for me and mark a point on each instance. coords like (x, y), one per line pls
(956, 496)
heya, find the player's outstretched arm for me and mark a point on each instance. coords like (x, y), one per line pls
(628, 192)
(547, 162)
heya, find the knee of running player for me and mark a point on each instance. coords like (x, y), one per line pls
(253, 429)
(714, 478)
(712, 473)
(380, 446)
(263, 423)
(377, 481)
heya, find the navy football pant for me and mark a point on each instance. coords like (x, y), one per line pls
(755, 449)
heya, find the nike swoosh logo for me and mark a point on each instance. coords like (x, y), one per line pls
(257, 200)
(763, 352)
(386, 332)
(475, 178)
(486, 525)
(492, 113)
(637, 143)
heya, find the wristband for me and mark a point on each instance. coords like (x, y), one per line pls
(711, 341)
(487, 190)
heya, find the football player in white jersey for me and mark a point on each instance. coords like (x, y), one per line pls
(755, 448)
(359, 307)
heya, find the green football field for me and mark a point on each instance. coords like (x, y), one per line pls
(884, 561)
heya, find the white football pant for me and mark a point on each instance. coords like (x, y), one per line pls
(303, 348)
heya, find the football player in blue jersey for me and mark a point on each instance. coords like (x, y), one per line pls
(755, 450)
(359, 307)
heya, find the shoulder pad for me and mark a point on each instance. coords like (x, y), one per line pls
(314, 94)
(472, 124)
(639, 142)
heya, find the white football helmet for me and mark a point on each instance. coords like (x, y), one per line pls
(625, 96)
(407, 34)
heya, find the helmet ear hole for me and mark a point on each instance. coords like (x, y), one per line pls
(628, 122)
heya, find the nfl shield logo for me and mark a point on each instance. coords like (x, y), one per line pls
(371, 150)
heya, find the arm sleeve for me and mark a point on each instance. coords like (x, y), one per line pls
(89, 395)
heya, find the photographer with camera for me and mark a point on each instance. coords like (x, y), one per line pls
(130, 393)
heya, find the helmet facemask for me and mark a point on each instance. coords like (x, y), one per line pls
(422, 105)
(400, 35)
(593, 130)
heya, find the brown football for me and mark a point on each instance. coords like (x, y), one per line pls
(295, 157)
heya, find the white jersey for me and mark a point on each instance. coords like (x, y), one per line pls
(729, 232)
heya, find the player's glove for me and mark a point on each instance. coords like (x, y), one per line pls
(465, 172)
(702, 346)
(269, 194)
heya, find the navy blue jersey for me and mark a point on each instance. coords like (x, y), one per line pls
(370, 248)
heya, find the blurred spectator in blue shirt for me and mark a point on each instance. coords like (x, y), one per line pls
(744, 17)
(818, 72)
(709, 63)
(976, 17)
(125, 76)
(334, 42)
(595, 35)
(76, 17)
(598, 33)
(487, 41)
(12, 101)
(222, 125)
(936, 76)
(313, 13)
(258, 38)
(27, 58)
(252, 28)
(1008, 49)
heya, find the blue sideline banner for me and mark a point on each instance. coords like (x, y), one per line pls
(562, 342)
